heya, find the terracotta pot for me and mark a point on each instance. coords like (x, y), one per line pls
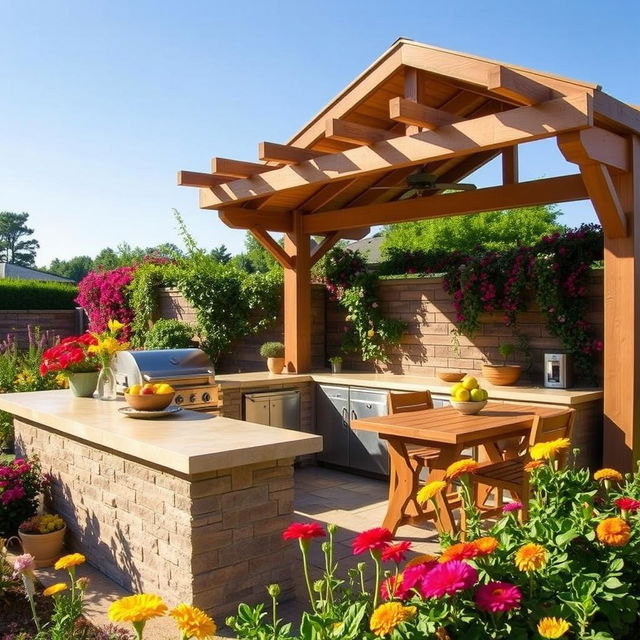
(83, 384)
(46, 548)
(275, 365)
(501, 375)
(451, 376)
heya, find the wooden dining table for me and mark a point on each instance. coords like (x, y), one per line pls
(451, 432)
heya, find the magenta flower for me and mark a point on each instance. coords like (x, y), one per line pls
(498, 596)
(447, 579)
(512, 506)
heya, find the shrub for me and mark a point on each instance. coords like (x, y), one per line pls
(35, 294)
(272, 350)
(20, 483)
(169, 334)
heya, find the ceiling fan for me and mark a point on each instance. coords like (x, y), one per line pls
(420, 183)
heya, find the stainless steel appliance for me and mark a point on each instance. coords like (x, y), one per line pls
(557, 370)
(336, 407)
(188, 371)
(274, 408)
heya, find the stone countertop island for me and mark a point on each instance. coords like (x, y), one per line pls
(190, 507)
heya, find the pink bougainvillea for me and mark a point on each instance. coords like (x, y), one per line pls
(103, 296)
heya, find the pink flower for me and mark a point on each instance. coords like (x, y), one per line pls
(627, 504)
(512, 506)
(395, 552)
(498, 596)
(448, 578)
(303, 531)
(24, 564)
(390, 588)
(412, 577)
(375, 539)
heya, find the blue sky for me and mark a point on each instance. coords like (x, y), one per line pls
(104, 101)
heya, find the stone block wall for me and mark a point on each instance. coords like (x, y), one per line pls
(62, 322)
(213, 540)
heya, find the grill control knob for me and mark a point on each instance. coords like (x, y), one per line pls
(178, 400)
(206, 397)
(193, 397)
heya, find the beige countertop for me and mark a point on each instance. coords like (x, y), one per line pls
(187, 443)
(519, 393)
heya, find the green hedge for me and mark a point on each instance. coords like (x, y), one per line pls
(35, 294)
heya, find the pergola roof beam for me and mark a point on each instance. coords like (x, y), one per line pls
(238, 218)
(198, 179)
(514, 86)
(524, 124)
(417, 114)
(355, 133)
(237, 168)
(605, 200)
(524, 194)
(285, 154)
(596, 145)
(272, 247)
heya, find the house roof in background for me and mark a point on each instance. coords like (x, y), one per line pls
(370, 248)
(10, 270)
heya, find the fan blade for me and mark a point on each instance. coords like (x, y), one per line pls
(388, 188)
(455, 186)
(409, 194)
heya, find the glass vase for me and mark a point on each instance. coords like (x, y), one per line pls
(106, 384)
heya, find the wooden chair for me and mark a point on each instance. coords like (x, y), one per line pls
(509, 475)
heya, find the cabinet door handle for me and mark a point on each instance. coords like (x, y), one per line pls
(354, 416)
(345, 418)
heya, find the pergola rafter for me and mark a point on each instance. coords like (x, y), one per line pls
(421, 108)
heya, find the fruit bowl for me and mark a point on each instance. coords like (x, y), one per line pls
(451, 376)
(468, 408)
(151, 402)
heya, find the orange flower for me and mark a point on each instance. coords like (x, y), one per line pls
(553, 627)
(608, 474)
(485, 545)
(423, 559)
(531, 557)
(534, 464)
(72, 560)
(459, 468)
(460, 551)
(388, 616)
(54, 588)
(614, 532)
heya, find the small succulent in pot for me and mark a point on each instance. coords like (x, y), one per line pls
(274, 353)
(47, 523)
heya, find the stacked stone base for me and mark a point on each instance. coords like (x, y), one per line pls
(212, 540)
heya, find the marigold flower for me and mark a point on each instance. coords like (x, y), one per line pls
(627, 504)
(72, 560)
(425, 558)
(498, 596)
(430, 491)
(485, 546)
(303, 531)
(54, 588)
(534, 464)
(388, 616)
(374, 539)
(447, 579)
(459, 468)
(549, 450)
(531, 557)
(193, 622)
(608, 474)
(459, 551)
(137, 608)
(396, 552)
(614, 532)
(553, 627)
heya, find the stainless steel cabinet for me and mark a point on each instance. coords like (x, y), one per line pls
(336, 407)
(274, 408)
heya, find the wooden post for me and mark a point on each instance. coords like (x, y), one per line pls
(621, 441)
(297, 299)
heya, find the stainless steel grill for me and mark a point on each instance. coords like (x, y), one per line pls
(188, 371)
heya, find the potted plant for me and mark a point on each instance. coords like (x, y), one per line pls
(72, 359)
(454, 347)
(336, 364)
(43, 537)
(274, 353)
(502, 374)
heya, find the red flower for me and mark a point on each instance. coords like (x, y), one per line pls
(374, 539)
(395, 552)
(447, 579)
(498, 596)
(627, 504)
(303, 531)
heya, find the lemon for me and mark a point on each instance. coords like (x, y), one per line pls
(134, 390)
(462, 395)
(469, 382)
(455, 388)
(477, 395)
(164, 388)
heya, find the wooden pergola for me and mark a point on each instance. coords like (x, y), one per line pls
(422, 108)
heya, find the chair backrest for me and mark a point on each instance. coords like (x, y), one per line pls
(405, 402)
(557, 425)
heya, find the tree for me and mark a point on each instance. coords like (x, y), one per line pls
(221, 254)
(75, 268)
(13, 248)
(255, 257)
(492, 229)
